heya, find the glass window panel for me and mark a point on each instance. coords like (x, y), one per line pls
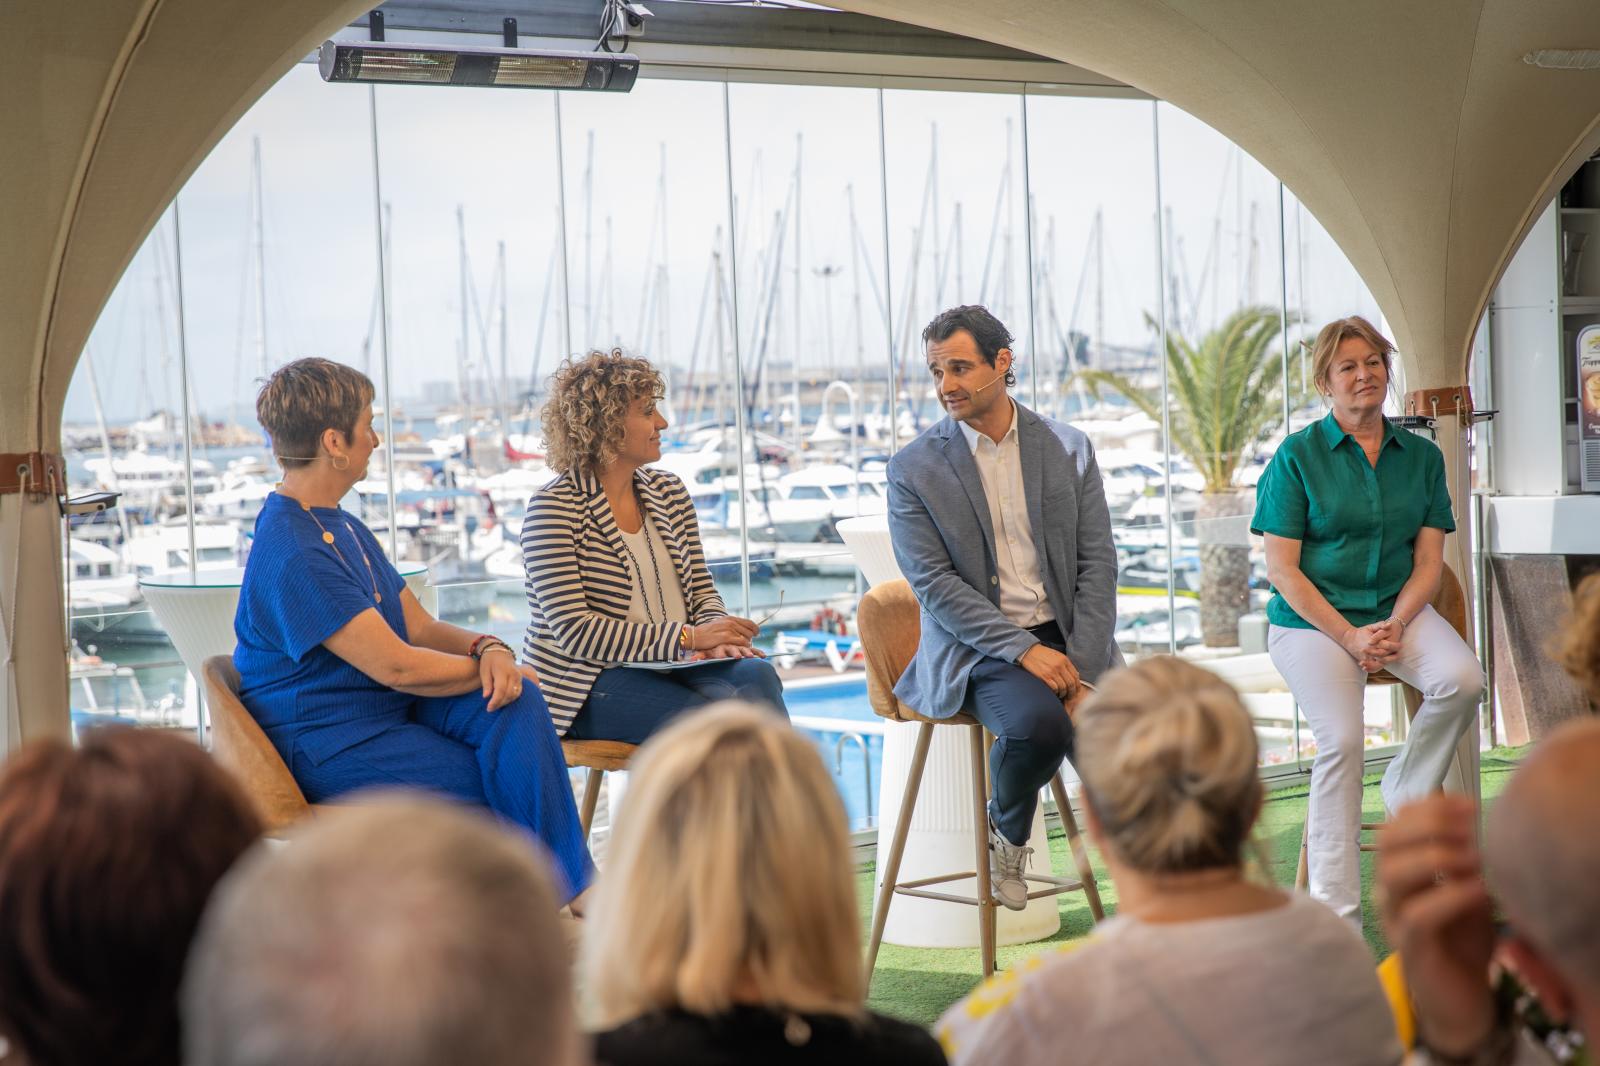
(278, 247)
(472, 232)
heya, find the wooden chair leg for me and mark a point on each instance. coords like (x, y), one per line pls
(987, 918)
(1080, 853)
(902, 826)
(591, 799)
(1302, 873)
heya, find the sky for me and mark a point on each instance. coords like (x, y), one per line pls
(645, 178)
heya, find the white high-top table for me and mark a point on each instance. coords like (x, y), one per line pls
(197, 613)
(940, 840)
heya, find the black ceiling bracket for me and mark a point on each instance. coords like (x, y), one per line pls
(508, 32)
(375, 25)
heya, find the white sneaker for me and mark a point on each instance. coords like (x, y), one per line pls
(1007, 864)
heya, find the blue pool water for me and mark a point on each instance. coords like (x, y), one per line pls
(844, 700)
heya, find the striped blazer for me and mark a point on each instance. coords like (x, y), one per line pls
(580, 585)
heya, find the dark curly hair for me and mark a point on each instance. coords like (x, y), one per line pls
(986, 330)
(1577, 646)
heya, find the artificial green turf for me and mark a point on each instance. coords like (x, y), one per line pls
(918, 984)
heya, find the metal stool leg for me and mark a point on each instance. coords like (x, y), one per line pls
(1080, 853)
(902, 826)
(591, 799)
(980, 835)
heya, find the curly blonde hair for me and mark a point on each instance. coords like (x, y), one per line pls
(589, 398)
(1577, 646)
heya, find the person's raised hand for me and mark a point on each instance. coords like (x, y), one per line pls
(1438, 916)
(719, 631)
(1051, 667)
(501, 676)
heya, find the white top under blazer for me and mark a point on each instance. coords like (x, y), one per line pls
(580, 584)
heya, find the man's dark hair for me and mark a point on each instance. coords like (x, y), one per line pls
(986, 331)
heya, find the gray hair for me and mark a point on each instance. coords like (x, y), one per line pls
(1542, 854)
(402, 931)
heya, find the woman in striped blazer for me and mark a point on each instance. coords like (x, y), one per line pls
(615, 572)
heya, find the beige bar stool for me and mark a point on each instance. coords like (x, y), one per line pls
(890, 628)
(599, 757)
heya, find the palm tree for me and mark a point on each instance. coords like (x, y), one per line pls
(1226, 397)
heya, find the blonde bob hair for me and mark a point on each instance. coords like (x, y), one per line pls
(728, 875)
(589, 398)
(1338, 331)
(1167, 754)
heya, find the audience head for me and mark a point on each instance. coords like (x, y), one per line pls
(305, 401)
(728, 878)
(602, 408)
(1362, 335)
(1167, 755)
(108, 853)
(988, 335)
(401, 931)
(1577, 645)
(1543, 859)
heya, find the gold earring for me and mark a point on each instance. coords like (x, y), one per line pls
(336, 465)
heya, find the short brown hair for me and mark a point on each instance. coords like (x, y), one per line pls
(589, 397)
(1336, 333)
(108, 854)
(303, 398)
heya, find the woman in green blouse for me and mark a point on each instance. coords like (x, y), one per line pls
(1354, 513)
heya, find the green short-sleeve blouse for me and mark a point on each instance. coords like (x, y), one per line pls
(1356, 525)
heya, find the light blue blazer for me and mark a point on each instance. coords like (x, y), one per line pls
(944, 541)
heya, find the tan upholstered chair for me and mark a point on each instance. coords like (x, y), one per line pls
(238, 743)
(599, 757)
(1451, 603)
(890, 627)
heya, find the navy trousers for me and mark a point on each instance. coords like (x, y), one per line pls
(507, 760)
(629, 705)
(1032, 735)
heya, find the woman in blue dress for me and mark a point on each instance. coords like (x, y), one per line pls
(355, 683)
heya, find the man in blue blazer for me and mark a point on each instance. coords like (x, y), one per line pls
(999, 522)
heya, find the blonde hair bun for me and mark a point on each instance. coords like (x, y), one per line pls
(1167, 754)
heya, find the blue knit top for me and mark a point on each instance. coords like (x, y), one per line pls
(298, 591)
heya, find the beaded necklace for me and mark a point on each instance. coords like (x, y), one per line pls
(327, 538)
(655, 569)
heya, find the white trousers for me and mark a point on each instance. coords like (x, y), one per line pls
(1330, 688)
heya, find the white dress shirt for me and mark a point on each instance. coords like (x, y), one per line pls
(1022, 597)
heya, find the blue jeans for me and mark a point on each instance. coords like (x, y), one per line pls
(1032, 735)
(628, 705)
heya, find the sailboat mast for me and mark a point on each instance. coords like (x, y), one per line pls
(1099, 288)
(259, 226)
(464, 372)
(505, 346)
(799, 317)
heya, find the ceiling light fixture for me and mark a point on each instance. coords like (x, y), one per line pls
(394, 63)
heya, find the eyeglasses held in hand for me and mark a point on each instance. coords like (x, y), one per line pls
(764, 619)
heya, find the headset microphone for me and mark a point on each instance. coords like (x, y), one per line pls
(980, 388)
